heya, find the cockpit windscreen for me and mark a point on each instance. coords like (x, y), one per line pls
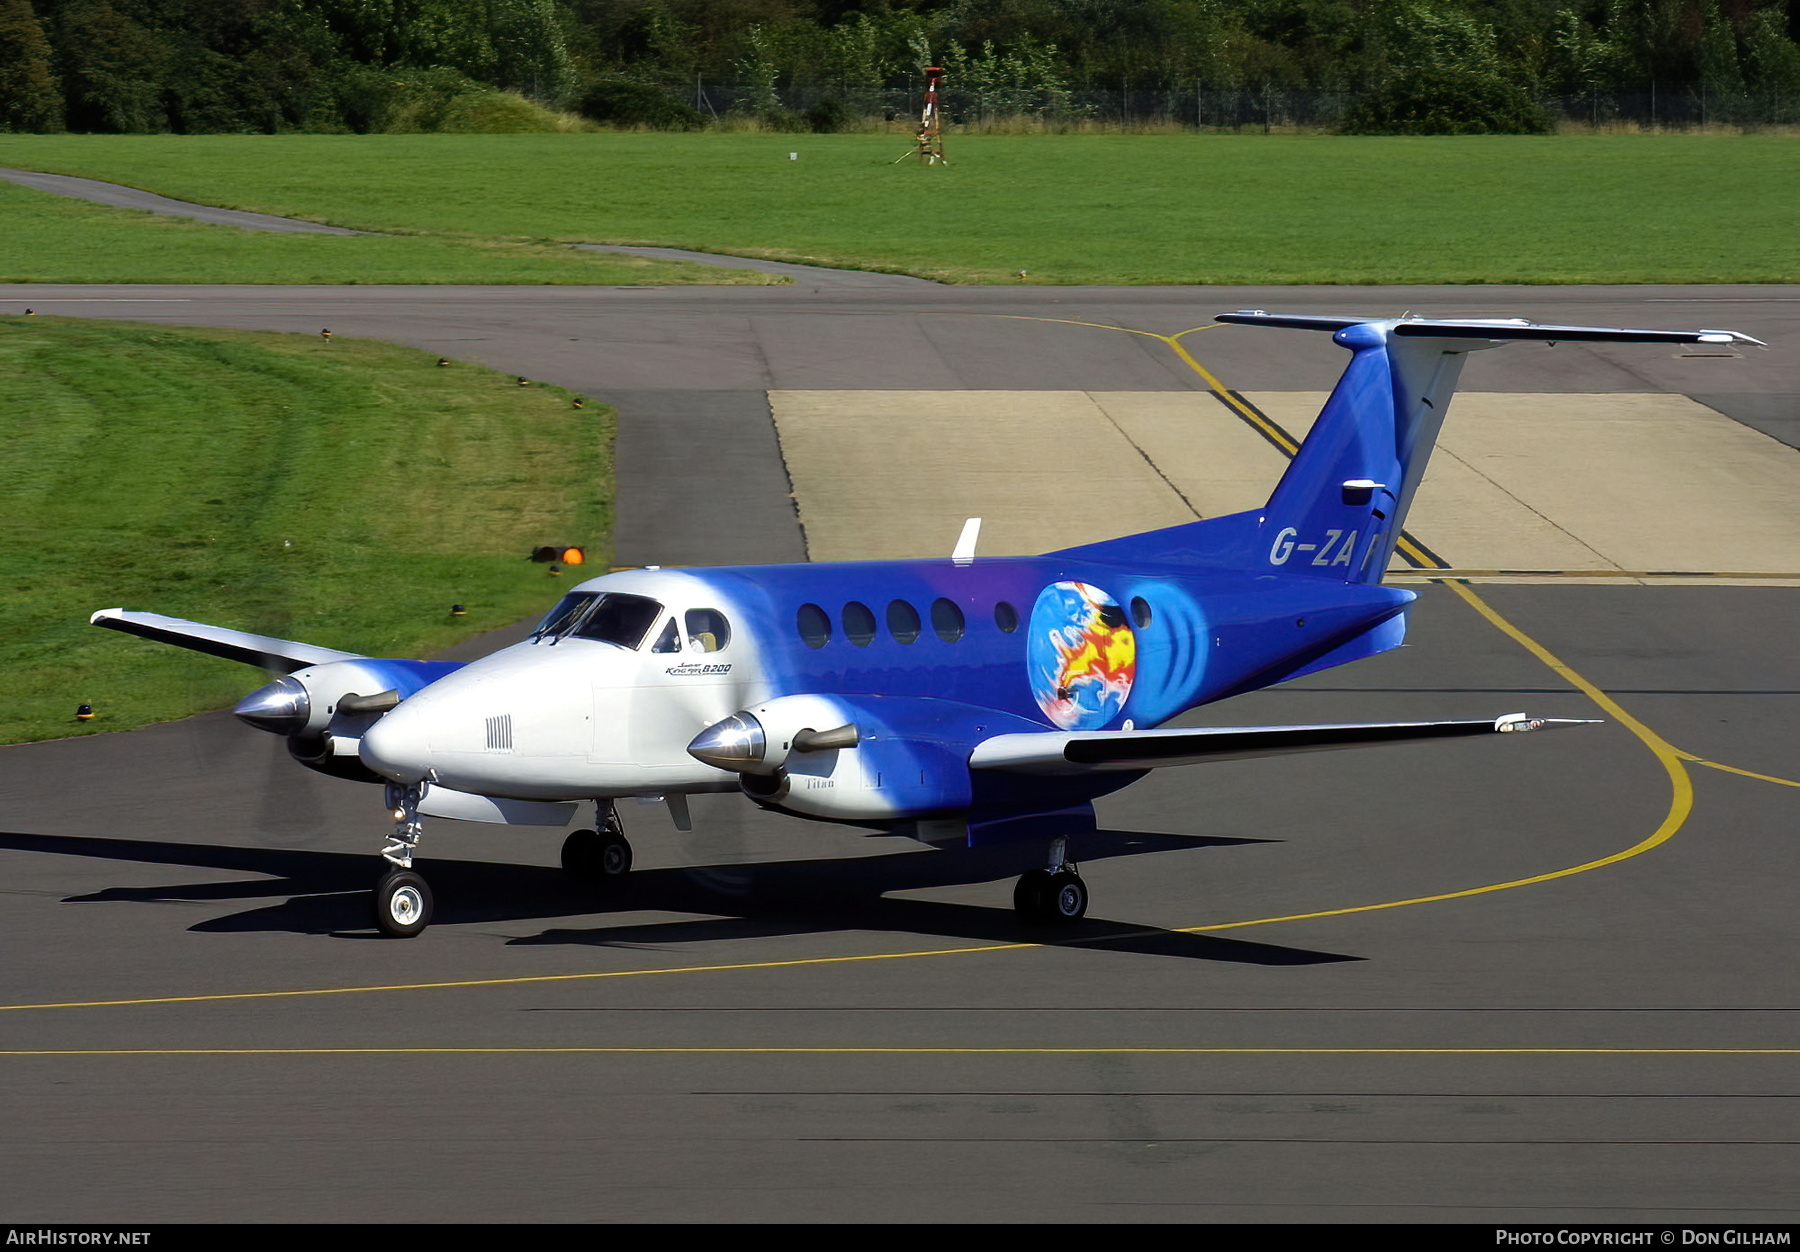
(615, 618)
(621, 619)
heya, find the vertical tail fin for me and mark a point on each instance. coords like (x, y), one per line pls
(1337, 512)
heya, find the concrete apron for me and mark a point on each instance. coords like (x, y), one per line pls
(1581, 488)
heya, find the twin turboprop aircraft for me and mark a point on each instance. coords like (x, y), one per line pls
(962, 700)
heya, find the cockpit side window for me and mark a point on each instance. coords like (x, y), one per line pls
(707, 630)
(620, 619)
(567, 612)
(669, 640)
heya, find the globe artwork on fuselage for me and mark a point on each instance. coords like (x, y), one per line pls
(1081, 654)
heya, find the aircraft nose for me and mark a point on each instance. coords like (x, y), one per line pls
(398, 746)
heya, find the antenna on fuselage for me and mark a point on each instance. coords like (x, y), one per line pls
(965, 543)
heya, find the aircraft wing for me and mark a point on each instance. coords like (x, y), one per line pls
(1077, 752)
(283, 656)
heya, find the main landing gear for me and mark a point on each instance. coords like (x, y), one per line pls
(603, 855)
(1054, 895)
(402, 900)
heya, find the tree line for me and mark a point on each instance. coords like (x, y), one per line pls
(211, 66)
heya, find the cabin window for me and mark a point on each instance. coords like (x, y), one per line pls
(620, 619)
(1006, 617)
(669, 640)
(707, 630)
(859, 624)
(1140, 611)
(568, 610)
(947, 620)
(903, 621)
(814, 624)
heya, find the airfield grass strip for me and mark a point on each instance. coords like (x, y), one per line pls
(345, 493)
(1218, 209)
(58, 239)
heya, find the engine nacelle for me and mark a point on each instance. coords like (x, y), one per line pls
(324, 709)
(342, 696)
(331, 755)
(880, 780)
(759, 740)
(862, 759)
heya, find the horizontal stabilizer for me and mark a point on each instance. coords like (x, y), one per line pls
(283, 656)
(1496, 329)
(1077, 752)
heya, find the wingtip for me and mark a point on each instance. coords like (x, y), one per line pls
(1728, 336)
(1519, 723)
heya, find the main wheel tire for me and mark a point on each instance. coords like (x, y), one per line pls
(578, 853)
(615, 855)
(596, 856)
(402, 904)
(1031, 896)
(1066, 898)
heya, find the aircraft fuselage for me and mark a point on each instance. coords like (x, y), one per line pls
(605, 700)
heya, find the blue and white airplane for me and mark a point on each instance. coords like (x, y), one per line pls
(967, 699)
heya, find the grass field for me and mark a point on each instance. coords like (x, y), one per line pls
(55, 239)
(1064, 208)
(343, 493)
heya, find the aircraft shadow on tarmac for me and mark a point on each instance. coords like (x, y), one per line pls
(327, 893)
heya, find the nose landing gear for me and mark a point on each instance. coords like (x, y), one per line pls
(401, 901)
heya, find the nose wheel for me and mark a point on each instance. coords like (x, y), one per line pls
(402, 904)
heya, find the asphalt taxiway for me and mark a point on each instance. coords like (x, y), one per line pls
(1549, 979)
